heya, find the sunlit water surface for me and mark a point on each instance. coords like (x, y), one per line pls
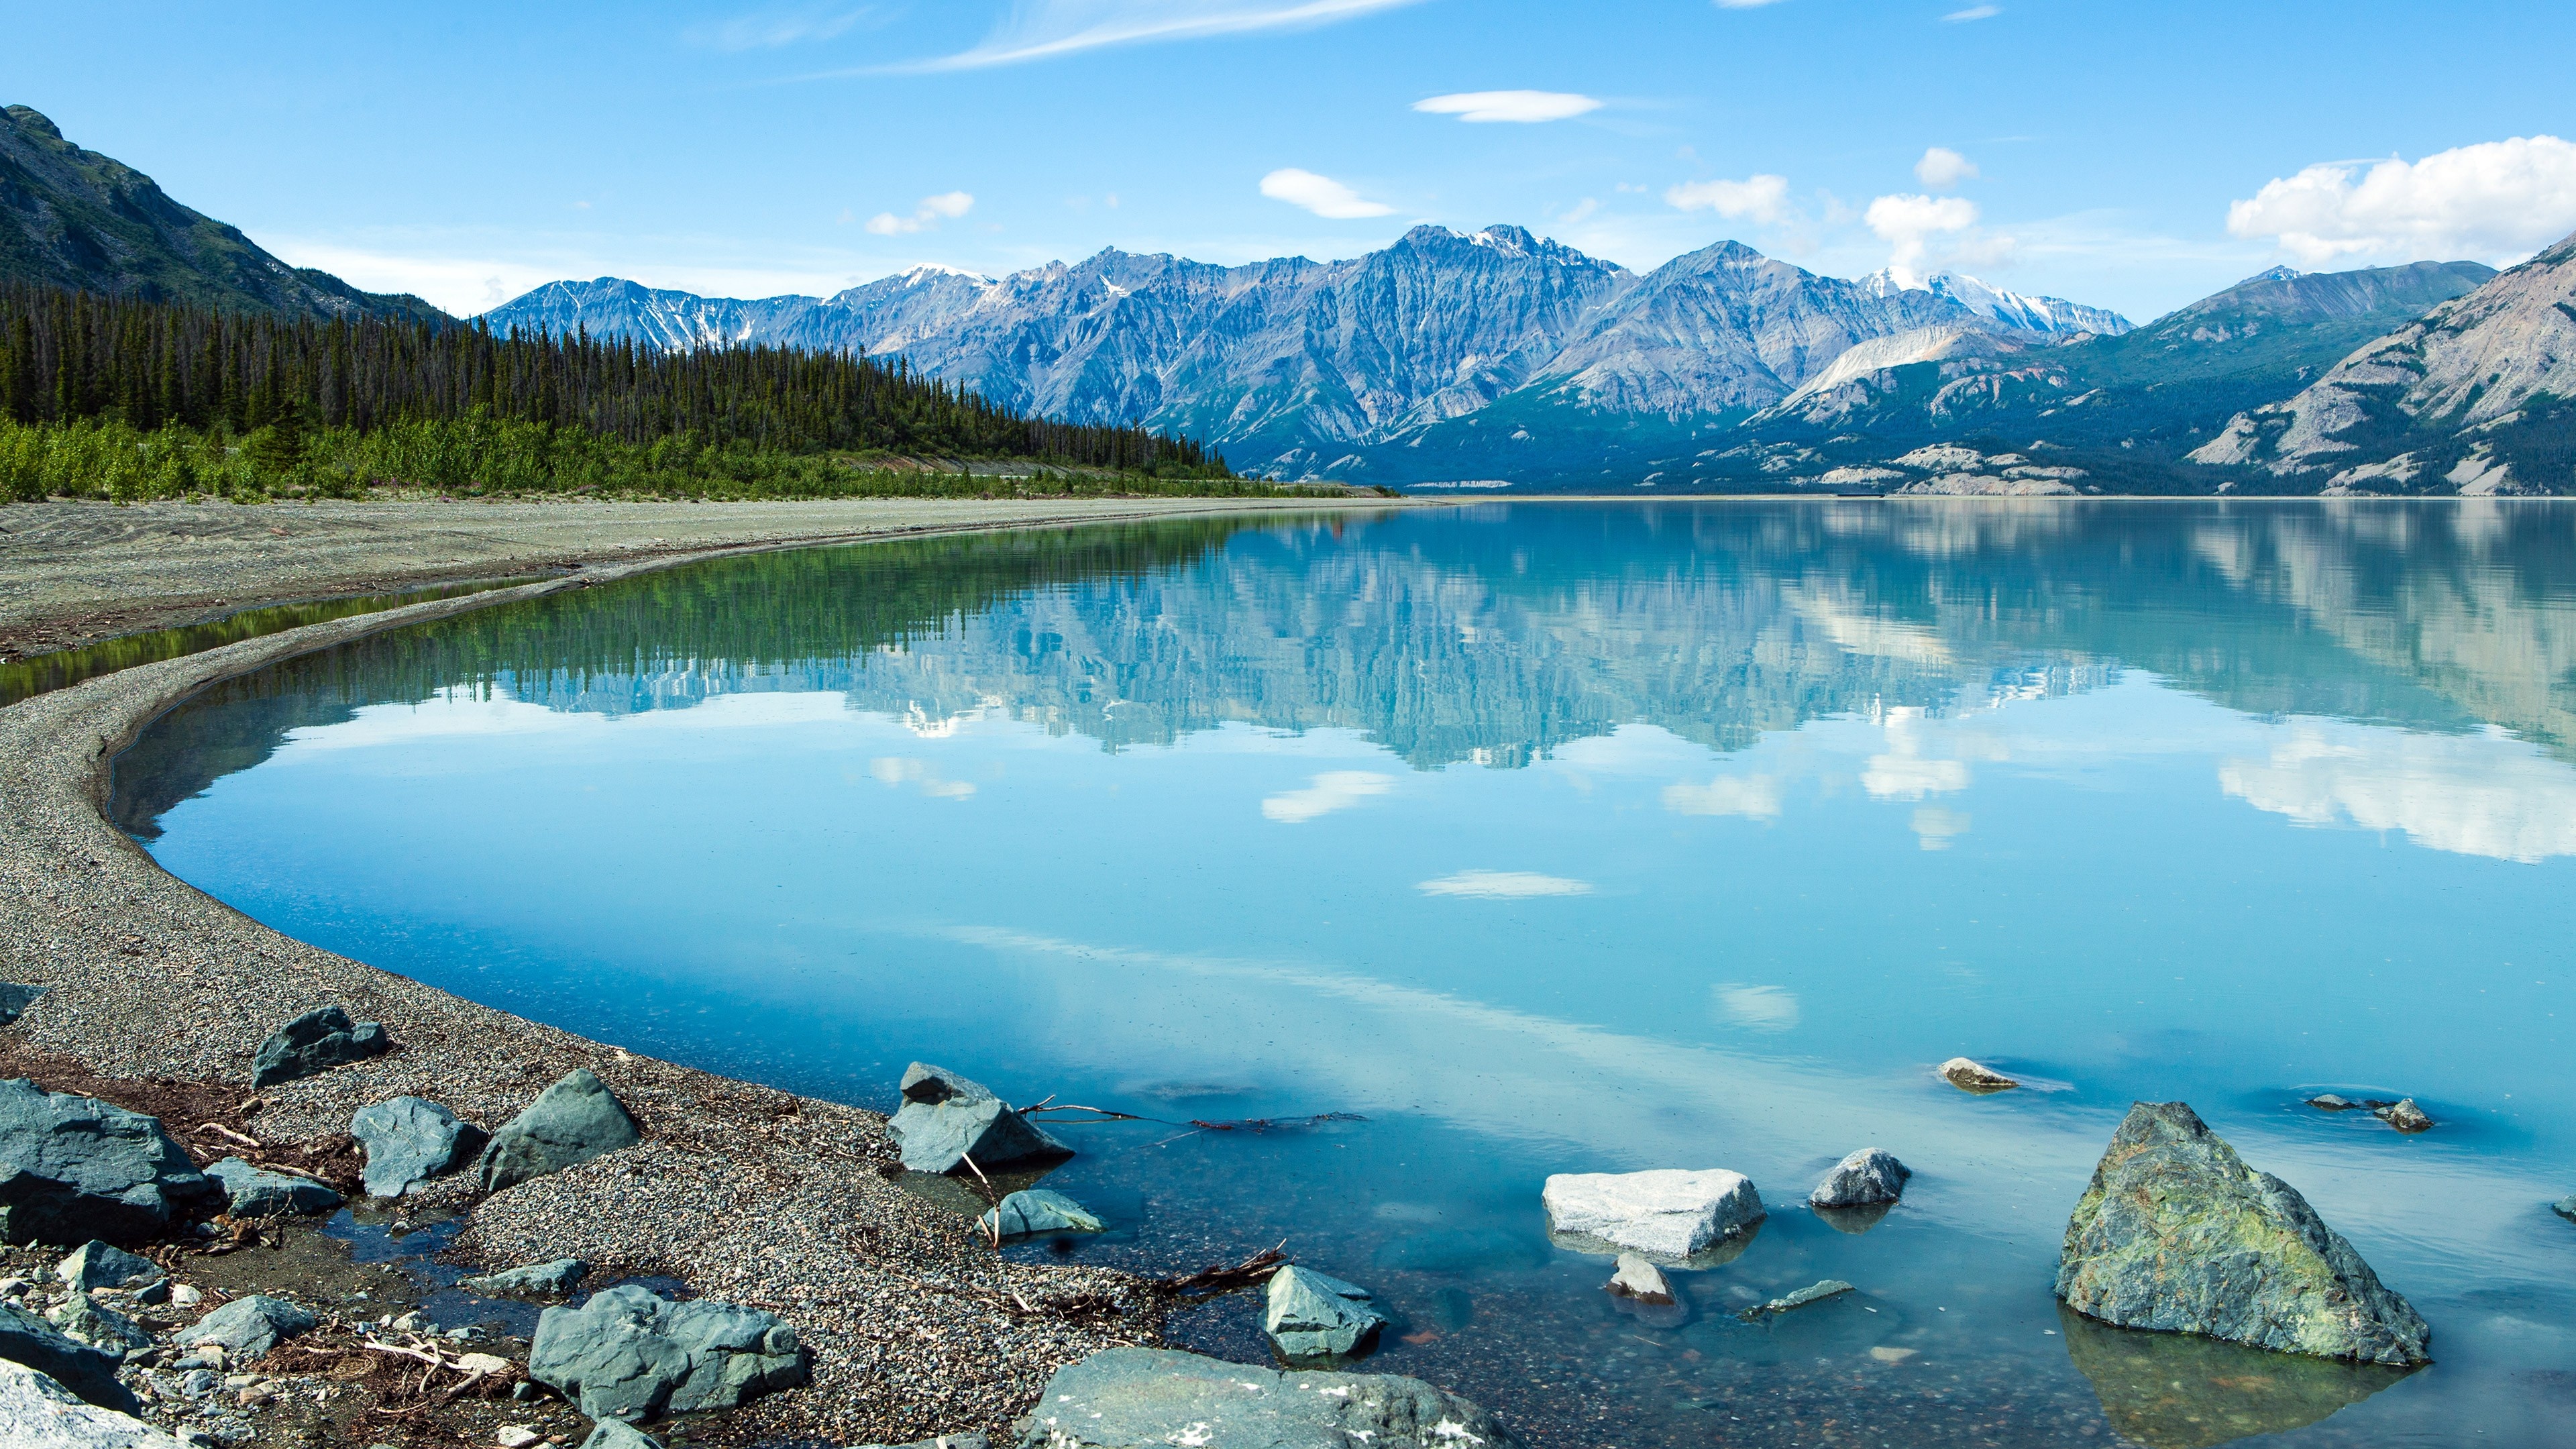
(1558, 838)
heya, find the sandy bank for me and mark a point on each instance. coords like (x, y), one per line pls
(744, 1192)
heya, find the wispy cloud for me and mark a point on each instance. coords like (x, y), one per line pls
(1755, 198)
(1521, 106)
(1942, 167)
(770, 29)
(1047, 29)
(1321, 195)
(946, 206)
(1504, 885)
(1974, 12)
(1333, 790)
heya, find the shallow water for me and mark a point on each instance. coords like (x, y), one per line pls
(1549, 838)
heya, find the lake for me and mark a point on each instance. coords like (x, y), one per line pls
(1557, 837)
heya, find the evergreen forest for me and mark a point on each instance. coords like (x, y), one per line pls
(104, 396)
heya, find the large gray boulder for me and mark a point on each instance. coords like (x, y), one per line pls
(1154, 1398)
(629, 1354)
(249, 1327)
(317, 1041)
(410, 1140)
(1869, 1176)
(2176, 1233)
(37, 1412)
(946, 1118)
(102, 1265)
(569, 1123)
(74, 1168)
(1666, 1212)
(85, 1369)
(1037, 1210)
(257, 1192)
(1313, 1316)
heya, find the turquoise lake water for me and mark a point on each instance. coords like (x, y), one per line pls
(1558, 837)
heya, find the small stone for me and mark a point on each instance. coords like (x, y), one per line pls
(614, 1434)
(1311, 1316)
(257, 1192)
(1868, 1176)
(1037, 1210)
(1641, 1280)
(185, 1296)
(1886, 1354)
(1665, 1211)
(482, 1363)
(2329, 1102)
(98, 1327)
(946, 1119)
(2404, 1115)
(571, 1122)
(153, 1293)
(97, 1265)
(516, 1436)
(199, 1383)
(2565, 1207)
(317, 1041)
(1969, 1076)
(410, 1140)
(409, 1323)
(535, 1280)
(14, 1287)
(1812, 1293)
(248, 1327)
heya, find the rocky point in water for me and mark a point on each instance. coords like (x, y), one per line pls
(1124, 1398)
(2176, 1233)
(1668, 1212)
(946, 1119)
(1032, 1211)
(1868, 1177)
(1313, 1316)
(1975, 1077)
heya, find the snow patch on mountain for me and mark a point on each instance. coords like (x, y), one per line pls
(2014, 311)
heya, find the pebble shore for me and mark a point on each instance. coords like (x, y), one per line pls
(742, 1192)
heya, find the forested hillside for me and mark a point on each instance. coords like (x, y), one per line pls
(141, 399)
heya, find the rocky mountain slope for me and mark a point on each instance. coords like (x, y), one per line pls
(2478, 396)
(2011, 311)
(74, 218)
(1409, 364)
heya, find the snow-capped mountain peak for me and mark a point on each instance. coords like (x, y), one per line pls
(2014, 311)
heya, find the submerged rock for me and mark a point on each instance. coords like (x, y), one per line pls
(1665, 1211)
(1036, 1210)
(249, 1327)
(2329, 1102)
(1640, 1279)
(1853, 1220)
(316, 1042)
(1789, 1302)
(1124, 1398)
(2177, 1233)
(1868, 1176)
(84, 1369)
(98, 1265)
(629, 1354)
(2184, 1391)
(38, 1412)
(1312, 1316)
(946, 1118)
(2565, 1207)
(2404, 1115)
(535, 1280)
(257, 1192)
(410, 1140)
(1970, 1076)
(73, 1168)
(569, 1123)
(15, 999)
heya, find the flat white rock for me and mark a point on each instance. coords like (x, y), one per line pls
(1667, 1210)
(38, 1413)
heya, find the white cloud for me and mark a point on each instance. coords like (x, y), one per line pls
(947, 205)
(769, 29)
(1942, 168)
(1522, 106)
(1333, 790)
(1506, 885)
(1908, 223)
(1755, 797)
(1756, 198)
(1321, 195)
(1046, 29)
(1974, 12)
(1763, 1008)
(2497, 200)
(900, 771)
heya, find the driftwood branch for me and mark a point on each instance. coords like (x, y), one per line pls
(1226, 1277)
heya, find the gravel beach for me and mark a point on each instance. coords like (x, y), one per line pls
(159, 992)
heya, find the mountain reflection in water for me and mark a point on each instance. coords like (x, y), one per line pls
(1553, 837)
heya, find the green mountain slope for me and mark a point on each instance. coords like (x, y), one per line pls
(76, 219)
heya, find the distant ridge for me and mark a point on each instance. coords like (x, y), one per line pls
(76, 219)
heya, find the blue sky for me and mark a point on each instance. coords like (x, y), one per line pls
(2094, 151)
